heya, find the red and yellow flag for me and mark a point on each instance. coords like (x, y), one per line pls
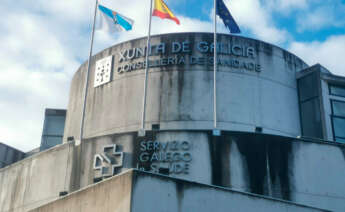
(162, 10)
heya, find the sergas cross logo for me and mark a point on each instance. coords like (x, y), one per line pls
(107, 163)
(103, 71)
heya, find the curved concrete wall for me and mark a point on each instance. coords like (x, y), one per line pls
(304, 172)
(256, 87)
(281, 167)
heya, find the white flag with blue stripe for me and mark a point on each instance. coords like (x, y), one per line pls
(113, 21)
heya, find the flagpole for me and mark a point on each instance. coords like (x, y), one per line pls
(215, 68)
(87, 74)
(142, 130)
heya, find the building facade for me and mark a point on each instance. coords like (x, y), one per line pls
(280, 146)
(9, 155)
(322, 104)
(257, 88)
(53, 128)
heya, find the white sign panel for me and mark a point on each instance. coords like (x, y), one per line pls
(103, 71)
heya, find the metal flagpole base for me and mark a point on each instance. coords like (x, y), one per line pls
(216, 132)
(141, 133)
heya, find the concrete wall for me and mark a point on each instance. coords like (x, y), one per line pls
(280, 167)
(304, 172)
(179, 195)
(36, 180)
(126, 144)
(180, 96)
(142, 192)
(318, 180)
(108, 196)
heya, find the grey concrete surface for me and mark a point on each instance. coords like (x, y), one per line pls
(304, 172)
(136, 191)
(179, 195)
(319, 180)
(108, 196)
(180, 96)
(36, 180)
(280, 167)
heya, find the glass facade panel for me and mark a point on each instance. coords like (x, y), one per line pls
(53, 129)
(51, 141)
(3, 150)
(10, 156)
(311, 120)
(337, 90)
(338, 120)
(338, 108)
(2, 165)
(339, 127)
(340, 140)
(54, 125)
(307, 87)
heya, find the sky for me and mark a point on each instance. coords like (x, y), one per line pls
(42, 44)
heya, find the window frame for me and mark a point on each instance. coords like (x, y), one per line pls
(337, 86)
(332, 120)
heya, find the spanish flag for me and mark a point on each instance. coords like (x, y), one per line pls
(162, 10)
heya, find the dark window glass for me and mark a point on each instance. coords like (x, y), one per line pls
(339, 127)
(338, 120)
(9, 156)
(18, 156)
(54, 125)
(340, 140)
(338, 108)
(308, 87)
(2, 165)
(337, 90)
(50, 141)
(53, 128)
(310, 117)
(53, 141)
(3, 150)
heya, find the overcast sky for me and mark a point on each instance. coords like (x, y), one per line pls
(43, 42)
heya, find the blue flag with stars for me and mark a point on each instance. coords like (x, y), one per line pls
(224, 14)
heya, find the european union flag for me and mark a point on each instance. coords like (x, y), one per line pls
(225, 15)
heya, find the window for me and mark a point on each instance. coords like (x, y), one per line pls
(340, 140)
(53, 128)
(309, 103)
(2, 165)
(337, 90)
(338, 120)
(310, 118)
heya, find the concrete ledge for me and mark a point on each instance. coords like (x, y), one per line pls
(36, 180)
(113, 194)
(138, 191)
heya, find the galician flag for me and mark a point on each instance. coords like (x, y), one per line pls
(162, 10)
(113, 21)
